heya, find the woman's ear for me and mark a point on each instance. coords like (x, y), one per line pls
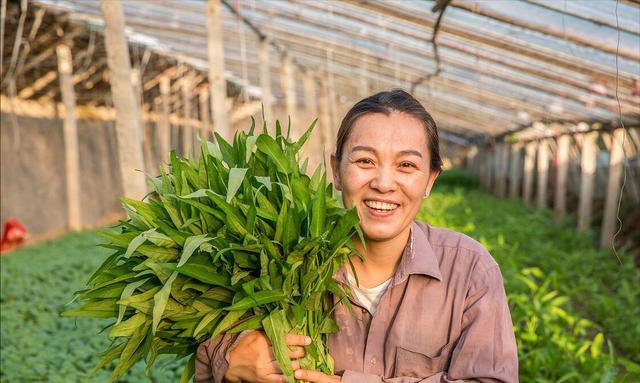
(432, 179)
(336, 172)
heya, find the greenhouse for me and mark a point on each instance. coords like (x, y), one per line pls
(537, 106)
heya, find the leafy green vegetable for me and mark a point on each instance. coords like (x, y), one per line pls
(241, 239)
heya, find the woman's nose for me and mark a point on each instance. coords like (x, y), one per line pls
(384, 181)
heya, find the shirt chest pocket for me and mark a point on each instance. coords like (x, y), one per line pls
(414, 364)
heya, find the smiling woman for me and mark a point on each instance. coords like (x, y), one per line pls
(432, 305)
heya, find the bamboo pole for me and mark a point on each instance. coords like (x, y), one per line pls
(501, 170)
(215, 50)
(187, 132)
(529, 160)
(72, 158)
(288, 85)
(616, 163)
(206, 132)
(514, 177)
(543, 173)
(127, 122)
(314, 149)
(265, 79)
(560, 197)
(165, 126)
(587, 179)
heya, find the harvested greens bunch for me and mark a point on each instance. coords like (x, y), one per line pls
(241, 239)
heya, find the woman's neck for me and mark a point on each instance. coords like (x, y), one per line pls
(381, 258)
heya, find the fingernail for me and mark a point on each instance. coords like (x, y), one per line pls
(307, 340)
(298, 374)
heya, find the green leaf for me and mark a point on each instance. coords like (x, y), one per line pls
(251, 144)
(107, 357)
(260, 298)
(275, 328)
(236, 176)
(160, 301)
(202, 273)
(131, 354)
(207, 320)
(126, 293)
(191, 245)
(137, 241)
(128, 327)
(318, 210)
(250, 324)
(159, 239)
(231, 318)
(189, 369)
(596, 346)
(266, 181)
(270, 147)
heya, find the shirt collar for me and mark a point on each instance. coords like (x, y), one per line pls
(417, 258)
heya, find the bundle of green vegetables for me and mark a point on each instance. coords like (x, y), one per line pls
(240, 239)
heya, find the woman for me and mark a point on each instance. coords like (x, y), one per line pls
(431, 305)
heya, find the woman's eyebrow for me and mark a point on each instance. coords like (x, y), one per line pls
(406, 152)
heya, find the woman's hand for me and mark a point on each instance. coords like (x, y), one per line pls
(316, 377)
(252, 360)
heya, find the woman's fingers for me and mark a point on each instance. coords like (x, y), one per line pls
(316, 377)
(297, 340)
(296, 352)
(276, 378)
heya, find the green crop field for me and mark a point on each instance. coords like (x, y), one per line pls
(570, 303)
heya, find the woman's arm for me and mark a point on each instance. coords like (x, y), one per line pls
(486, 349)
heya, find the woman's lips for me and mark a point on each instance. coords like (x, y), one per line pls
(379, 213)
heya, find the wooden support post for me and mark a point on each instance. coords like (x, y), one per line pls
(72, 159)
(206, 133)
(587, 179)
(471, 160)
(514, 177)
(265, 79)
(363, 90)
(543, 173)
(325, 127)
(616, 163)
(560, 197)
(165, 125)
(288, 82)
(314, 151)
(502, 156)
(486, 172)
(187, 131)
(215, 50)
(127, 122)
(529, 160)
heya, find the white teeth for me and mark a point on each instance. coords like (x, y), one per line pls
(381, 205)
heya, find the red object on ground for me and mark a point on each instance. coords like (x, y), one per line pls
(13, 235)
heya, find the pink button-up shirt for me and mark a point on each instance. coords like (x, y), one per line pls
(443, 318)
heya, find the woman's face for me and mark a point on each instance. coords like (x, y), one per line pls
(384, 172)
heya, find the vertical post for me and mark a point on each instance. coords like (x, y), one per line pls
(325, 125)
(187, 131)
(613, 188)
(363, 91)
(215, 50)
(206, 132)
(165, 126)
(587, 179)
(560, 205)
(127, 122)
(265, 79)
(311, 107)
(514, 183)
(543, 173)
(72, 160)
(502, 156)
(289, 89)
(529, 159)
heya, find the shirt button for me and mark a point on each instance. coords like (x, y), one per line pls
(374, 360)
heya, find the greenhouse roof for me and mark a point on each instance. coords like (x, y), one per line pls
(494, 67)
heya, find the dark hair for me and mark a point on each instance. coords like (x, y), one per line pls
(384, 103)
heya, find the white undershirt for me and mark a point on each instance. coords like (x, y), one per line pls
(369, 297)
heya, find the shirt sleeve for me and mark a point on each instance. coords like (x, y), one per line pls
(486, 350)
(212, 359)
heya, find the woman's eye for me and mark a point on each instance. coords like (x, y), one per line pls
(365, 161)
(407, 165)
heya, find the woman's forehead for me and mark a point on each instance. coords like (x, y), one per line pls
(397, 132)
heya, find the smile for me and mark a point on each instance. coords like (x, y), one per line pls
(381, 206)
